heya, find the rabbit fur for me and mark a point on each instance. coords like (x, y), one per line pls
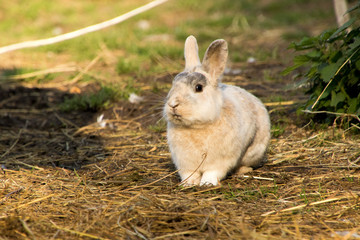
(213, 129)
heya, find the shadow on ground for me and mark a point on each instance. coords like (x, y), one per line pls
(35, 133)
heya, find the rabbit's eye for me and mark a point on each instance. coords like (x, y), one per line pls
(198, 88)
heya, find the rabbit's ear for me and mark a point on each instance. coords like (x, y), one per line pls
(191, 53)
(215, 58)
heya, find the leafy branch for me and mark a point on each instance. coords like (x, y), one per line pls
(332, 63)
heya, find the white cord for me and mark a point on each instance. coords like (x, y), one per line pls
(77, 33)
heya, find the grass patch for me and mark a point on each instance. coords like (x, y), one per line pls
(126, 65)
(102, 99)
(277, 130)
(158, 127)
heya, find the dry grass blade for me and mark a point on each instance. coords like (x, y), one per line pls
(336, 73)
(80, 234)
(171, 235)
(284, 103)
(86, 69)
(27, 229)
(259, 178)
(202, 161)
(13, 145)
(149, 184)
(33, 201)
(306, 205)
(58, 69)
(11, 193)
(334, 113)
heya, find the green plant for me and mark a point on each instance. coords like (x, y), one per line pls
(303, 196)
(277, 130)
(320, 191)
(125, 66)
(101, 99)
(333, 76)
(158, 127)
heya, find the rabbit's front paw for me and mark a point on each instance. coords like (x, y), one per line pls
(210, 178)
(190, 178)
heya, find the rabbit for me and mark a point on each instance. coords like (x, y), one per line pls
(213, 129)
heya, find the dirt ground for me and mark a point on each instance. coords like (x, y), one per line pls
(64, 176)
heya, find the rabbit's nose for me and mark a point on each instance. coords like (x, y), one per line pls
(173, 104)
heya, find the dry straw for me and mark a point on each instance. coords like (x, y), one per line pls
(64, 176)
(134, 192)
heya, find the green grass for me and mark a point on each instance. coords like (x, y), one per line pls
(252, 193)
(303, 195)
(286, 13)
(102, 99)
(206, 20)
(137, 55)
(21, 75)
(126, 65)
(6, 73)
(90, 101)
(277, 130)
(158, 127)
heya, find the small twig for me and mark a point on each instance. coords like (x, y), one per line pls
(58, 69)
(87, 68)
(27, 229)
(205, 190)
(30, 166)
(67, 135)
(65, 121)
(354, 162)
(26, 111)
(81, 234)
(13, 145)
(305, 205)
(10, 193)
(172, 235)
(203, 159)
(5, 101)
(327, 85)
(129, 200)
(77, 33)
(259, 178)
(285, 103)
(334, 113)
(139, 234)
(33, 201)
(149, 184)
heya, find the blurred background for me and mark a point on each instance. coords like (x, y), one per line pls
(152, 42)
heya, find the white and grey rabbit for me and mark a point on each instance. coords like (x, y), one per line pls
(213, 129)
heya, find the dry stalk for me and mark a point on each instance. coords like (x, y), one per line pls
(81, 234)
(202, 161)
(306, 205)
(86, 69)
(33, 201)
(27, 229)
(171, 235)
(13, 145)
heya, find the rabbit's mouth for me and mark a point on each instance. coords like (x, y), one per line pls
(176, 116)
